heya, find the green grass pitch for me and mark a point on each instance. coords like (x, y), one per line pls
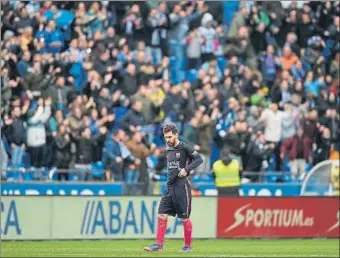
(201, 248)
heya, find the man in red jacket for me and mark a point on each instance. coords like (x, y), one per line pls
(299, 149)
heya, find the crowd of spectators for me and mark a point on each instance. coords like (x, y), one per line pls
(84, 83)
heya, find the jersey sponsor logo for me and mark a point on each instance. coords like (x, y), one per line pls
(178, 155)
(269, 218)
(173, 164)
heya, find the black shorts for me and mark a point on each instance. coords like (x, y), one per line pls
(176, 201)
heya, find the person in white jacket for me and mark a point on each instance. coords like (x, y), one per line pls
(36, 132)
(290, 121)
(272, 120)
(208, 36)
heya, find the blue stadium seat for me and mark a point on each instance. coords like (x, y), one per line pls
(73, 176)
(13, 174)
(42, 173)
(191, 75)
(97, 170)
(196, 179)
(271, 177)
(206, 178)
(287, 178)
(27, 176)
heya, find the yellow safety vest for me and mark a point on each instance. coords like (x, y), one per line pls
(335, 180)
(227, 176)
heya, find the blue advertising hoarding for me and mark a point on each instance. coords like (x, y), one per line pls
(67, 189)
(111, 189)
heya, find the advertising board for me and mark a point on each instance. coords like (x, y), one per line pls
(105, 189)
(60, 189)
(52, 217)
(97, 218)
(126, 217)
(25, 217)
(278, 217)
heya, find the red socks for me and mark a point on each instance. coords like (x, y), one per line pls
(161, 229)
(187, 232)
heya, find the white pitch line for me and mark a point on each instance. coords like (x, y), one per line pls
(261, 256)
(82, 254)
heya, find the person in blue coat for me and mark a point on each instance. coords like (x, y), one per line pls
(114, 153)
(54, 38)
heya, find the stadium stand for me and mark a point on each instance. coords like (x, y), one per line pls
(86, 86)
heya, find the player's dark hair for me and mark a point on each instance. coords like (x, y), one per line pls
(170, 128)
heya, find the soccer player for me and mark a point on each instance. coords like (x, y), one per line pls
(181, 161)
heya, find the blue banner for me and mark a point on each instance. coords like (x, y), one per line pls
(102, 189)
(268, 189)
(68, 189)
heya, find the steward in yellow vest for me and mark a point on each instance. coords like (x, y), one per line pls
(335, 179)
(226, 172)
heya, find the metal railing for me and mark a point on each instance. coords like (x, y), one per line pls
(93, 174)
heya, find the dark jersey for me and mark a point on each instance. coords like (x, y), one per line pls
(181, 156)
